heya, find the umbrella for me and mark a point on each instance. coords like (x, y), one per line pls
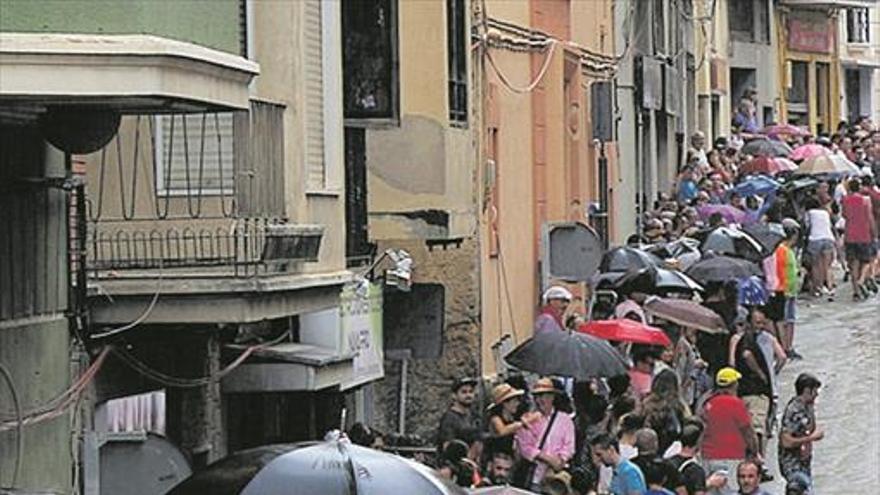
(757, 185)
(621, 259)
(730, 214)
(666, 281)
(501, 490)
(626, 330)
(784, 130)
(806, 151)
(765, 147)
(608, 280)
(768, 237)
(835, 164)
(334, 467)
(656, 281)
(712, 269)
(768, 165)
(804, 182)
(751, 291)
(570, 354)
(686, 313)
(683, 251)
(724, 240)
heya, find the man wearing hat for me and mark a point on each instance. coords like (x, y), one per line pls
(798, 430)
(729, 437)
(457, 420)
(551, 319)
(549, 441)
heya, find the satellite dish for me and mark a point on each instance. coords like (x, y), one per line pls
(571, 252)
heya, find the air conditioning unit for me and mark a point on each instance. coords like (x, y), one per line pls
(292, 242)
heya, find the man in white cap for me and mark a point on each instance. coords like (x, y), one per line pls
(551, 319)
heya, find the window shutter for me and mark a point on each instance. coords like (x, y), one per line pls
(216, 165)
(314, 96)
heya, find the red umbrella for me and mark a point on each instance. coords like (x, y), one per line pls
(767, 165)
(626, 331)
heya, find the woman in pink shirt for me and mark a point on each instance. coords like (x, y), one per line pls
(549, 441)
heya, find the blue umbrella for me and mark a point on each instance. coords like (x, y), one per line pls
(756, 185)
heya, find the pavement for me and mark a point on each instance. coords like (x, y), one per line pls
(840, 342)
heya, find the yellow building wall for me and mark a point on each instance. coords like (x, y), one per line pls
(422, 162)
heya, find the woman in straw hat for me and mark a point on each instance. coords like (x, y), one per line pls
(503, 421)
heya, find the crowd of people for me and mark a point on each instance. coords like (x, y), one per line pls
(695, 416)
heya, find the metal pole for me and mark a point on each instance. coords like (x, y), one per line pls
(401, 412)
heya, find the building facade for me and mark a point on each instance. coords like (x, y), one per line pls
(410, 138)
(859, 41)
(541, 66)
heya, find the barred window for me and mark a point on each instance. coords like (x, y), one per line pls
(456, 42)
(858, 29)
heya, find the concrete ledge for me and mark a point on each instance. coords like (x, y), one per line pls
(217, 300)
(139, 73)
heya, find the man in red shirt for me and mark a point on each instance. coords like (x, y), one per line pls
(871, 189)
(859, 237)
(729, 437)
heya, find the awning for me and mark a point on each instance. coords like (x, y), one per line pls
(290, 367)
(130, 73)
(861, 63)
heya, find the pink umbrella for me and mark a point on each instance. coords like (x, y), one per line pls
(730, 214)
(784, 130)
(807, 151)
(768, 165)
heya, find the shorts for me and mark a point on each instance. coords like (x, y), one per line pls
(820, 247)
(860, 251)
(781, 308)
(758, 407)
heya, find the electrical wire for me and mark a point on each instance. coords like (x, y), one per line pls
(143, 316)
(532, 85)
(58, 405)
(180, 382)
(19, 419)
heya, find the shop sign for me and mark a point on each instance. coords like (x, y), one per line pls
(360, 312)
(809, 33)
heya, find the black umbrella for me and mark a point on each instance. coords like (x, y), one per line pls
(569, 354)
(766, 147)
(768, 238)
(724, 240)
(657, 281)
(624, 258)
(335, 467)
(713, 269)
(667, 281)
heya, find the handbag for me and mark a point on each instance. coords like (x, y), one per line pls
(525, 469)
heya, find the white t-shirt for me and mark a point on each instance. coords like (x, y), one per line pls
(820, 225)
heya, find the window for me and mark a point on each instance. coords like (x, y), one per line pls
(659, 27)
(857, 26)
(322, 55)
(370, 59)
(749, 21)
(456, 42)
(194, 153)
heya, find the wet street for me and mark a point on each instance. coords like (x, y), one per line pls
(840, 342)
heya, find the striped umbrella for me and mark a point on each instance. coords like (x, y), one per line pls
(834, 164)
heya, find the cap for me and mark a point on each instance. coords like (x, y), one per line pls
(727, 377)
(557, 292)
(543, 386)
(461, 382)
(504, 392)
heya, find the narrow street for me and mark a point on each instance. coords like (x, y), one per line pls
(840, 342)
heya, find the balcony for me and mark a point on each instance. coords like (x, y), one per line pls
(184, 215)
